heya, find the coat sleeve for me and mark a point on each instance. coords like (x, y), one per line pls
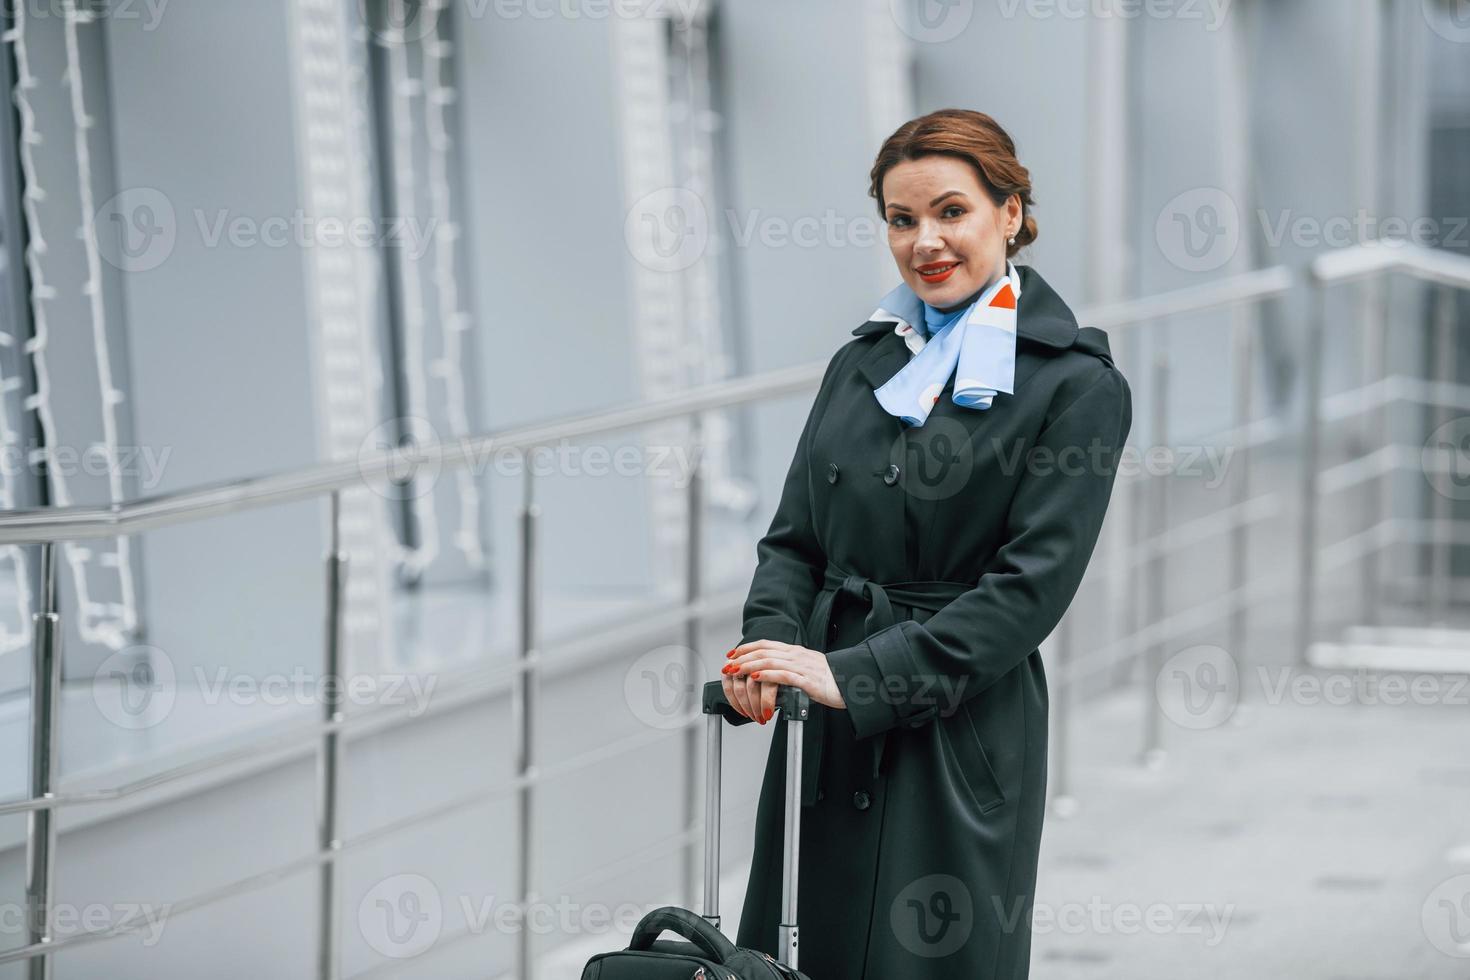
(1051, 527)
(789, 559)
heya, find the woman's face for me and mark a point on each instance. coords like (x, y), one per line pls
(948, 239)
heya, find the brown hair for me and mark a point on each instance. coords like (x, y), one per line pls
(970, 136)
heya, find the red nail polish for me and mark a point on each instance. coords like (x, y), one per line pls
(729, 669)
(730, 654)
(756, 674)
(767, 717)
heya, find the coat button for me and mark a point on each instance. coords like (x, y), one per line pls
(861, 800)
(890, 475)
(832, 472)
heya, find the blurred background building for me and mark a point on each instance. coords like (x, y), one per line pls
(248, 249)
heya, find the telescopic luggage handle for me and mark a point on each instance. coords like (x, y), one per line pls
(794, 706)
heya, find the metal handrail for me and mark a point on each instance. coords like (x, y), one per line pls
(78, 521)
(1233, 290)
(41, 524)
(51, 525)
(1448, 271)
(1391, 255)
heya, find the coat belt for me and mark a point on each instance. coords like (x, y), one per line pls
(931, 596)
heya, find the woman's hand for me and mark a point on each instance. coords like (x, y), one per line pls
(754, 699)
(771, 663)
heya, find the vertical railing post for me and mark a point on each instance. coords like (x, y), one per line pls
(1240, 490)
(41, 823)
(1445, 360)
(1063, 803)
(1136, 527)
(329, 760)
(1311, 451)
(1374, 433)
(524, 714)
(1158, 513)
(693, 680)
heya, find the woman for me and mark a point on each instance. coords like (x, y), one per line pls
(943, 502)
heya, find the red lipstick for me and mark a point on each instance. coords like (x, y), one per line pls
(936, 272)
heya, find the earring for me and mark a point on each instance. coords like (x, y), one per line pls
(1013, 239)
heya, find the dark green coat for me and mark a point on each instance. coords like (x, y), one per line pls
(929, 564)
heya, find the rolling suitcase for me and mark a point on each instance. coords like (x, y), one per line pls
(703, 952)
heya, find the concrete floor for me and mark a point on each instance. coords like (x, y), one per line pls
(1317, 836)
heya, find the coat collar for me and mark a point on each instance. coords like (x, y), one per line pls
(1041, 316)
